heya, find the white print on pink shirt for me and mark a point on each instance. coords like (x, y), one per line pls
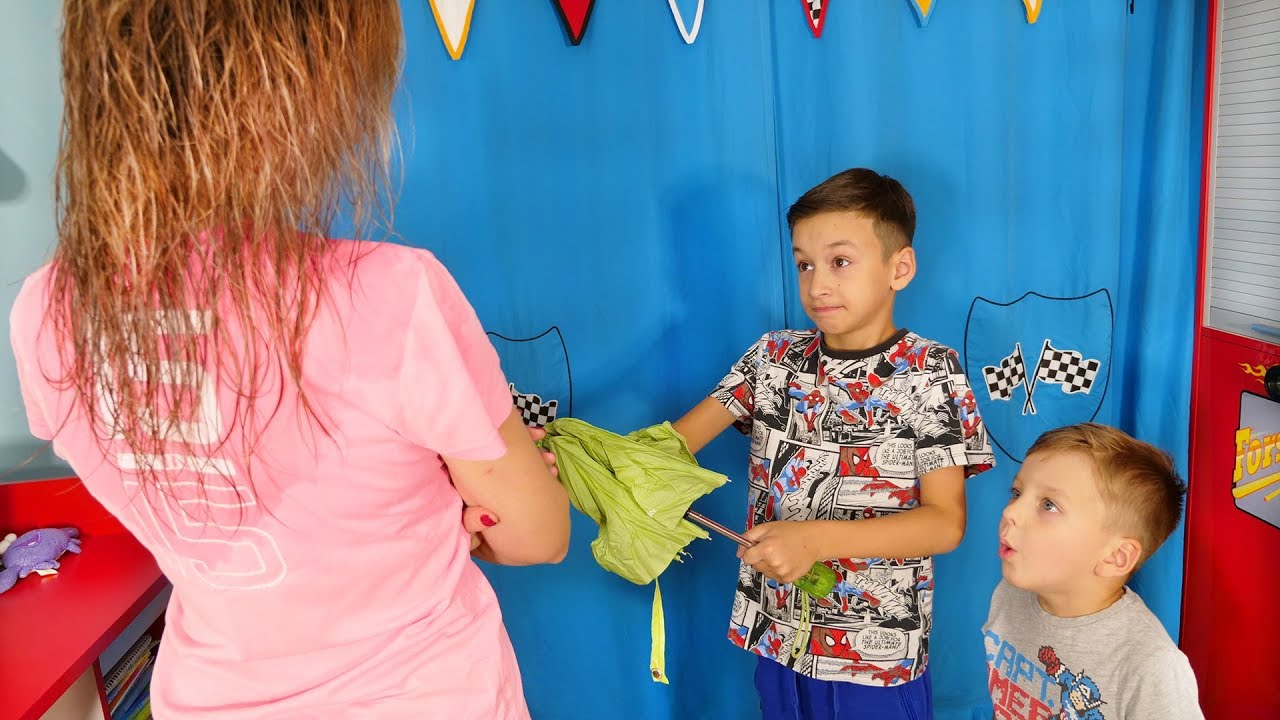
(204, 533)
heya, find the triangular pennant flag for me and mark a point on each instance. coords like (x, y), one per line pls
(688, 35)
(1033, 10)
(575, 14)
(923, 8)
(453, 17)
(816, 13)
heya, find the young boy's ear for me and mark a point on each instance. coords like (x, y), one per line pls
(1121, 560)
(904, 268)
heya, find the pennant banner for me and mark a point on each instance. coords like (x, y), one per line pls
(1033, 10)
(816, 13)
(575, 14)
(453, 17)
(923, 9)
(688, 35)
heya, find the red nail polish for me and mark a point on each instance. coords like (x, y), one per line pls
(488, 521)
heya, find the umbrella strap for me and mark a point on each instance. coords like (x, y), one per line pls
(801, 638)
(658, 641)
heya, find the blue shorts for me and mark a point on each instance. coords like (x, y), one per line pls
(787, 695)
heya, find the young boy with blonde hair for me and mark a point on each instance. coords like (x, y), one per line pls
(1065, 638)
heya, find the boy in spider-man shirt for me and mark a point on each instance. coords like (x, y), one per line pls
(859, 456)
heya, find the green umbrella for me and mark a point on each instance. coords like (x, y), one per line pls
(637, 488)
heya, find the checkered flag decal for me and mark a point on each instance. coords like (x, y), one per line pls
(1068, 369)
(535, 412)
(1003, 379)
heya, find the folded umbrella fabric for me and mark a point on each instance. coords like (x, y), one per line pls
(637, 488)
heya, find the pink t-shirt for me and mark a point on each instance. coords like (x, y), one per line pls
(338, 583)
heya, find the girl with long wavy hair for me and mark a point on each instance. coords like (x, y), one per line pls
(292, 424)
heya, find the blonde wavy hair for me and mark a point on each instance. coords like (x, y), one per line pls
(207, 148)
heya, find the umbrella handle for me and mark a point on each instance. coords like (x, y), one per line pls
(818, 582)
(716, 527)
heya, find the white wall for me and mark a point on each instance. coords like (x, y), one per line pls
(30, 106)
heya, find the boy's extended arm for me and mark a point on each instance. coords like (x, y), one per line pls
(703, 423)
(785, 550)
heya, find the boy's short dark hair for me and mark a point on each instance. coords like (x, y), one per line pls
(1140, 487)
(864, 191)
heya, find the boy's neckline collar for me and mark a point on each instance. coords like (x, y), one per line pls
(1048, 618)
(893, 339)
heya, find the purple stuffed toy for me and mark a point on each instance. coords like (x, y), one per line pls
(36, 550)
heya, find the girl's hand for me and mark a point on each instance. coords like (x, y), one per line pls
(476, 520)
(548, 457)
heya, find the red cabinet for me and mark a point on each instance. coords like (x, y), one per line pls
(1230, 612)
(1231, 591)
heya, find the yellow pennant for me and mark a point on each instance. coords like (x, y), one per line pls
(453, 17)
(923, 9)
(1033, 10)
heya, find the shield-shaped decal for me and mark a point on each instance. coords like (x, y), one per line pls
(538, 369)
(1038, 363)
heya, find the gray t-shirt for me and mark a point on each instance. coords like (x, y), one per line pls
(1117, 664)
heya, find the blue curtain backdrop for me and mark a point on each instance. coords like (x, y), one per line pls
(630, 191)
